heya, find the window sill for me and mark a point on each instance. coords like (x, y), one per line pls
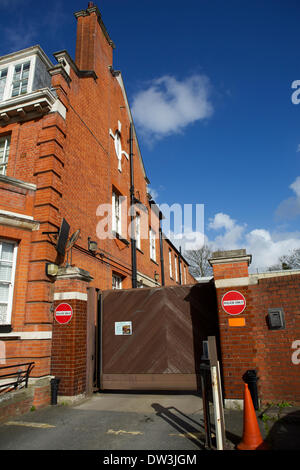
(138, 249)
(153, 261)
(119, 237)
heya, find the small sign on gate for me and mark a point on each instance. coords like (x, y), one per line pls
(123, 328)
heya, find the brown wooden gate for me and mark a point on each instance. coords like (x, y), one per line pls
(164, 349)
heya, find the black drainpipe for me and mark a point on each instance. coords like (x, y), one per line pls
(133, 240)
(161, 251)
(98, 362)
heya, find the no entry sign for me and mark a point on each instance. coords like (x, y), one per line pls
(233, 302)
(63, 313)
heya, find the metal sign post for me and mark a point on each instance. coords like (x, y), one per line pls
(217, 393)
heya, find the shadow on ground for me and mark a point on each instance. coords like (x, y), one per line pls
(285, 433)
(182, 423)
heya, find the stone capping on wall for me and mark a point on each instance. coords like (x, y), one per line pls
(73, 272)
(230, 256)
(253, 279)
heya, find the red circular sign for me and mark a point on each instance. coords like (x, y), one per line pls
(233, 302)
(63, 313)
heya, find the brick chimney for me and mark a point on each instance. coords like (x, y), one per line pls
(94, 48)
(230, 264)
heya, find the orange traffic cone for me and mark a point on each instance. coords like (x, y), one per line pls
(252, 439)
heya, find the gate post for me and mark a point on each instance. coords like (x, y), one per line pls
(238, 350)
(69, 339)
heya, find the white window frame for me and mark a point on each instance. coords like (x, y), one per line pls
(152, 244)
(7, 92)
(6, 148)
(184, 269)
(118, 283)
(3, 81)
(11, 282)
(176, 268)
(170, 264)
(116, 218)
(21, 82)
(138, 231)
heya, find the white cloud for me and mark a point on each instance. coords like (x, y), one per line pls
(295, 186)
(16, 41)
(290, 208)
(226, 233)
(153, 192)
(20, 32)
(221, 220)
(232, 233)
(167, 106)
(187, 240)
(265, 248)
(9, 3)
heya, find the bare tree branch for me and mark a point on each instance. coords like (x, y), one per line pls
(198, 261)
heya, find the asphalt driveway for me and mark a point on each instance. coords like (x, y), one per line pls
(132, 422)
(111, 422)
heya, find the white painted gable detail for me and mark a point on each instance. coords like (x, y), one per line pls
(118, 145)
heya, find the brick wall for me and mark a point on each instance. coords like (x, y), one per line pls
(37, 395)
(255, 346)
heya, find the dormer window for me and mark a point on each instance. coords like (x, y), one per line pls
(24, 72)
(20, 79)
(16, 79)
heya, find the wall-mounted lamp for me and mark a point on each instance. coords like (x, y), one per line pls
(92, 246)
(51, 269)
(156, 276)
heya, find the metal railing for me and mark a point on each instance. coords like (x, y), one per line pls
(20, 377)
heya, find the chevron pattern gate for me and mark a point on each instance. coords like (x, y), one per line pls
(151, 339)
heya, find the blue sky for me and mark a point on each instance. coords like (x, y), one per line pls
(209, 83)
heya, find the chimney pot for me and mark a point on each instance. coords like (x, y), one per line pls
(91, 4)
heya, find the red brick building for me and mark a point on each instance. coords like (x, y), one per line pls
(67, 146)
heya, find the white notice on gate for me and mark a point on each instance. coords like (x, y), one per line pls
(123, 328)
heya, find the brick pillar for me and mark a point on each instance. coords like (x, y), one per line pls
(94, 48)
(237, 332)
(69, 341)
(230, 264)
